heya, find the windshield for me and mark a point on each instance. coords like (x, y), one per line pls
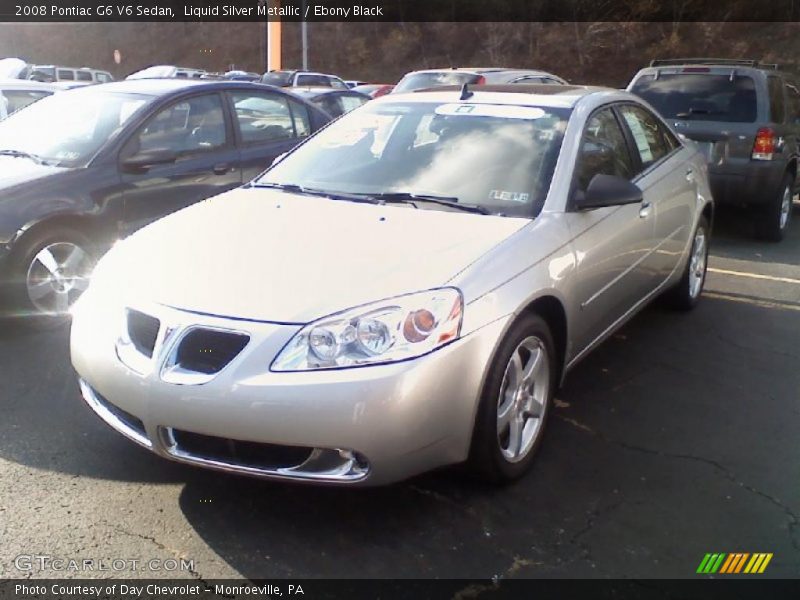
(700, 96)
(420, 81)
(499, 158)
(68, 128)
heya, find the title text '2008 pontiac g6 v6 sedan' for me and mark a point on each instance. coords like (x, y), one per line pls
(406, 290)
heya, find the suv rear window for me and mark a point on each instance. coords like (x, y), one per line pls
(419, 81)
(700, 96)
(279, 78)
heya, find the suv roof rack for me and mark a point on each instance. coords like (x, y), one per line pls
(731, 62)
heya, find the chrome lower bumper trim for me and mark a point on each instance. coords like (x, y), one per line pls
(319, 467)
(110, 418)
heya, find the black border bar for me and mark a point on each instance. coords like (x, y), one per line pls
(398, 10)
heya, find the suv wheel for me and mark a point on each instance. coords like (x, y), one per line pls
(775, 220)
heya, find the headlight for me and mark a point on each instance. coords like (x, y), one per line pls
(387, 331)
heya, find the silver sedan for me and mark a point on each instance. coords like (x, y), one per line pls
(406, 290)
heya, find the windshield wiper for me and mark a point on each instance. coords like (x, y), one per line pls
(411, 198)
(299, 189)
(20, 154)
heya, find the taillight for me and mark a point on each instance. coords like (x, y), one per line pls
(481, 80)
(764, 146)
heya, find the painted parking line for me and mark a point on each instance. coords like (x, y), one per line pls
(754, 276)
(752, 300)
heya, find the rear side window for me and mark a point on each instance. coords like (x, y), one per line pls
(65, 75)
(777, 103)
(647, 134)
(279, 78)
(700, 96)
(603, 150)
(84, 76)
(419, 81)
(262, 117)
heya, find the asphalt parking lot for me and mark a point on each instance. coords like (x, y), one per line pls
(678, 437)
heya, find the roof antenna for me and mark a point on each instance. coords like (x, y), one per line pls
(466, 94)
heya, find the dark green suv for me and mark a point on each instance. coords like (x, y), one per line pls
(745, 116)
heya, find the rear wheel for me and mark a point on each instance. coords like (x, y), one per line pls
(777, 215)
(515, 402)
(686, 293)
(49, 271)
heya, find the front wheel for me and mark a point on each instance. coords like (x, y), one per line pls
(49, 272)
(515, 402)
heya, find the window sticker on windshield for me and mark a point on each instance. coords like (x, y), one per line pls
(504, 196)
(530, 113)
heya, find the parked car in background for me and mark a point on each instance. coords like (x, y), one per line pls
(13, 68)
(334, 102)
(303, 79)
(745, 117)
(351, 83)
(451, 258)
(167, 72)
(374, 90)
(16, 94)
(129, 153)
(417, 80)
(241, 76)
(53, 73)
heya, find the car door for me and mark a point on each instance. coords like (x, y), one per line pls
(610, 243)
(667, 180)
(203, 161)
(267, 125)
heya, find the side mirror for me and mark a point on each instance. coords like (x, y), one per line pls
(278, 159)
(608, 190)
(144, 160)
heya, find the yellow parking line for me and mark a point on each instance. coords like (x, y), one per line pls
(754, 276)
(753, 301)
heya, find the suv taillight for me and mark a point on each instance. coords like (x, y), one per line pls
(764, 146)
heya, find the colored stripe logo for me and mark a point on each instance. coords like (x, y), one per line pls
(732, 564)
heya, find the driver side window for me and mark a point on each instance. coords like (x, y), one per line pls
(603, 149)
(187, 127)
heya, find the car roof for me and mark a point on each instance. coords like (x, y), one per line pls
(26, 84)
(158, 87)
(519, 94)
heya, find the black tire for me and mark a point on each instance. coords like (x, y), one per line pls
(681, 296)
(487, 461)
(771, 225)
(24, 253)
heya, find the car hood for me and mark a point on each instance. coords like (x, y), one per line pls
(17, 171)
(267, 255)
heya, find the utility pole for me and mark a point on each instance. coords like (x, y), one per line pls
(274, 40)
(304, 33)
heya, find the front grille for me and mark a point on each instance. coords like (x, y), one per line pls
(125, 417)
(208, 351)
(143, 331)
(247, 454)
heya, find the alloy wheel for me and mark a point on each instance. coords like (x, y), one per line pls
(57, 275)
(523, 397)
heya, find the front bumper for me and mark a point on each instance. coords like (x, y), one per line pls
(363, 426)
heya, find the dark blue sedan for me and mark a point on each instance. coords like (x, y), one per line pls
(82, 168)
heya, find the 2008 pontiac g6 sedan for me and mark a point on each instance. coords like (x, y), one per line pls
(406, 290)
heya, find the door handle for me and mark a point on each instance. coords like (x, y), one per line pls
(644, 211)
(221, 168)
(690, 174)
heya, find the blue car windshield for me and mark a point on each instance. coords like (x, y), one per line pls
(500, 158)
